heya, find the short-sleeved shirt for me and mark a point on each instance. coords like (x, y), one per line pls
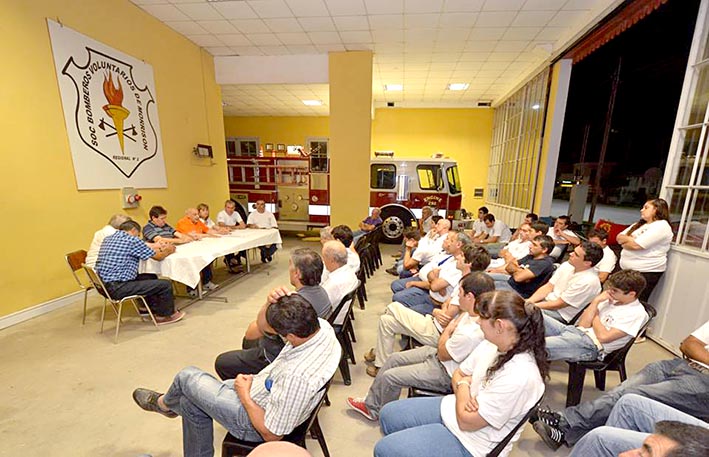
(151, 231)
(449, 273)
(427, 224)
(119, 257)
(519, 249)
(318, 299)
(208, 222)
(626, 318)
(186, 226)
(373, 221)
(702, 334)
(229, 220)
(465, 338)
(99, 236)
(556, 237)
(428, 248)
(607, 263)
(655, 239)
(339, 283)
(262, 220)
(479, 227)
(540, 267)
(576, 289)
(501, 230)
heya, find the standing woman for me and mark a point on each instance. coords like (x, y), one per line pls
(493, 389)
(645, 244)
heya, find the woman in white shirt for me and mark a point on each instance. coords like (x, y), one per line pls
(645, 244)
(493, 389)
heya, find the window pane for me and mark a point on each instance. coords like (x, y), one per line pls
(429, 177)
(382, 176)
(690, 149)
(695, 228)
(700, 98)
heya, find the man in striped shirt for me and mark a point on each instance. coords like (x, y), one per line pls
(262, 407)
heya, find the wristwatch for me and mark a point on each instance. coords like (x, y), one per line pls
(457, 384)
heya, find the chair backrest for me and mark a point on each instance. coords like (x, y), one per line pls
(96, 282)
(347, 300)
(578, 315)
(502, 444)
(619, 354)
(297, 436)
(76, 260)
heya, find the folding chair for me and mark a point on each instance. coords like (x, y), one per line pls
(343, 333)
(76, 260)
(502, 444)
(118, 304)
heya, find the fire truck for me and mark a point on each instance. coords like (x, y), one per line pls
(296, 187)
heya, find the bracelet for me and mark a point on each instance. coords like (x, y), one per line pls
(457, 384)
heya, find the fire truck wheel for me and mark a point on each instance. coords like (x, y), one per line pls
(395, 221)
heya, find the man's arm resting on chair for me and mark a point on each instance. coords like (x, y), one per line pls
(257, 415)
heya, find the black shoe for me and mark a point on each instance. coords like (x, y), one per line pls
(552, 436)
(269, 258)
(546, 414)
(148, 400)
(392, 271)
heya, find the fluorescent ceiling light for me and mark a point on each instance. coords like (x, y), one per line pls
(393, 87)
(312, 102)
(458, 86)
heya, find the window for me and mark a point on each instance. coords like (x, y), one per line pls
(382, 176)
(516, 145)
(317, 148)
(242, 147)
(429, 177)
(686, 181)
(453, 179)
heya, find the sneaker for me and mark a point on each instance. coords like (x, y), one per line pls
(370, 356)
(164, 320)
(392, 271)
(148, 400)
(372, 371)
(210, 286)
(546, 414)
(640, 339)
(193, 293)
(396, 256)
(358, 405)
(552, 436)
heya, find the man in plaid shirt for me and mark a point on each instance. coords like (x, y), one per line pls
(117, 266)
(262, 407)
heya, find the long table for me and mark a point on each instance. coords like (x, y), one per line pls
(189, 259)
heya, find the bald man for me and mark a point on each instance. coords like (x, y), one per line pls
(341, 279)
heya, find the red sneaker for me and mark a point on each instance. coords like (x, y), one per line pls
(176, 316)
(358, 405)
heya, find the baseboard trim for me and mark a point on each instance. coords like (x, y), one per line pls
(41, 309)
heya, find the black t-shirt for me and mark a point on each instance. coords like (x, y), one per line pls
(541, 269)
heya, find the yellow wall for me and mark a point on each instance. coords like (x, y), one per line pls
(49, 217)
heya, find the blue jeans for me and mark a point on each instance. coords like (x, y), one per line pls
(672, 382)
(400, 284)
(567, 342)
(267, 251)
(417, 299)
(631, 420)
(200, 398)
(556, 315)
(413, 428)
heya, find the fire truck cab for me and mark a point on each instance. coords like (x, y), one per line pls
(295, 188)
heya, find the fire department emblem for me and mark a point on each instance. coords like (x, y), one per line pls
(112, 111)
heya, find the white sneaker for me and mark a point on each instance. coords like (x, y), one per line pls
(210, 286)
(193, 293)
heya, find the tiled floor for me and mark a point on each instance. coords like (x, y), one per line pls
(66, 389)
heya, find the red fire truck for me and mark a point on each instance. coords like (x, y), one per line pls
(296, 189)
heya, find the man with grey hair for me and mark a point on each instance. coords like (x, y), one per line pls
(426, 223)
(113, 224)
(341, 279)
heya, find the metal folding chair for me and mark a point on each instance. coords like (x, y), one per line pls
(76, 260)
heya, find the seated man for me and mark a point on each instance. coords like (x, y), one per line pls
(495, 235)
(479, 228)
(343, 234)
(428, 246)
(263, 219)
(679, 383)
(157, 229)
(631, 423)
(426, 329)
(562, 236)
(412, 236)
(607, 263)
(434, 282)
(340, 280)
(426, 222)
(262, 407)
(109, 229)
(117, 266)
(369, 224)
(190, 225)
(610, 321)
(518, 247)
(230, 219)
(530, 272)
(430, 367)
(574, 284)
(258, 350)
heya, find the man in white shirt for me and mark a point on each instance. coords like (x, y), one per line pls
(263, 219)
(607, 263)
(611, 320)
(230, 219)
(343, 234)
(426, 222)
(430, 367)
(563, 237)
(112, 227)
(427, 247)
(479, 225)
(574, 284)
(341, 279)
(496, 234)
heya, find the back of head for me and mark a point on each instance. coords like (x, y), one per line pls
(412, 233)
(476, 256)
(326, 234)
(463, 239)
(156, 211)
(310, 265)
(343, 234)
(336, 252)
(292, 314)
(129, 225)
(692, 440)
(592, 252)
(539, 226)
(477, 283)
(627, 281)
(533, 217)
(117, 219)
(546, 242)
(279, 449)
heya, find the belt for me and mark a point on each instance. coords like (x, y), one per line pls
(697, 366)
(439, 303)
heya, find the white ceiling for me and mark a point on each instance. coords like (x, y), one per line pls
(423, 44)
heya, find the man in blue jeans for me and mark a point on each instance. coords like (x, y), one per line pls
(262, 407)
(680, 383)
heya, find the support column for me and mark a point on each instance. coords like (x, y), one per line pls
(350, 76)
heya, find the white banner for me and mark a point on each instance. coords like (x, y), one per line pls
(110, 112)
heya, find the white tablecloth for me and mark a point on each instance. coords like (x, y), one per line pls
(189, 259)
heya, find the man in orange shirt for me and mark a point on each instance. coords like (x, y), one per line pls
(191, 225)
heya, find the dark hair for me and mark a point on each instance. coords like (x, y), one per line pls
(539, 226)
(597, 233)
(476, 256)
(489, 217)
(565, 218)
(546, 242)
(662, 213)
(129, 225)
(292, 314)
(412, 233)
(483, 209)
(527, 320)
(532, 217)
(310, 265)
(435, 218)
(592, 252)
(156, 211)
(477, 283)
(627, 281)
(343, 234)
(692, 440)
